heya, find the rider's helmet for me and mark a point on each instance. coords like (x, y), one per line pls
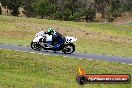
(51, 31)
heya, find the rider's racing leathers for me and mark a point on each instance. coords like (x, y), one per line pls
(57, 41)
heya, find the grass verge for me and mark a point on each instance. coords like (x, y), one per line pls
(27, 70)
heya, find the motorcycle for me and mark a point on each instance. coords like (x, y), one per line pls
(44, 41)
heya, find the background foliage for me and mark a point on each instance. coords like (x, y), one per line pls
(69, 9)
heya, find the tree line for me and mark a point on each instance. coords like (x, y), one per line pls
(72, 10)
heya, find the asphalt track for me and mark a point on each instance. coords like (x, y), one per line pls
(124, 60)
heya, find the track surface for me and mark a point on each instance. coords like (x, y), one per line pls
(75, 54)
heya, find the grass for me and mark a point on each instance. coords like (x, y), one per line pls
(98, 38)
(27, 70)
(105, 47)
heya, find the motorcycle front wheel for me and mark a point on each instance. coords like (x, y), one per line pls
(69, 48)
(36, 46)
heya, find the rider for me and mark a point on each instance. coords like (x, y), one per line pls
(49, 35)
(50, 31)
(57, 40)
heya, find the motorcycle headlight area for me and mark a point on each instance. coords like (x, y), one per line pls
(68, 40)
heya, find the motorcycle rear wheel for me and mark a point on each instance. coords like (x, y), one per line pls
(36, 46)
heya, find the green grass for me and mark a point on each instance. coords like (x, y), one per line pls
(105, 47)
(27, 70)
(98, 38)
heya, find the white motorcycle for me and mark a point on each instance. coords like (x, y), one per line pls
(42, 40)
